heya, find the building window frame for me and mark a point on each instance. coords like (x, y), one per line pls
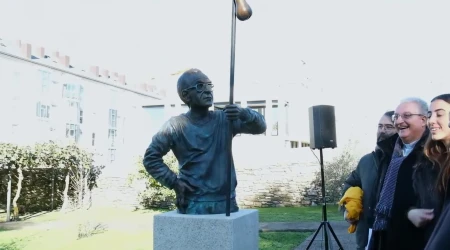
(72, 131)
(45, 81)
(42, 110)
(112, 154)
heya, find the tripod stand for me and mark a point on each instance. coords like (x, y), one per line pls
(325, 225)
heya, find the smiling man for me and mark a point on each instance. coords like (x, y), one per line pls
(199, 140)
(365, 176)
(404, 207)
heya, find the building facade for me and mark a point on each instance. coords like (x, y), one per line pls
(46, 98)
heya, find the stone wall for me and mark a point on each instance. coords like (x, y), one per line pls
(276, 185)
(114, 191)
(266, 178)
(274, 176)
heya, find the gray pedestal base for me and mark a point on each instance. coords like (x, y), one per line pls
(239, 231)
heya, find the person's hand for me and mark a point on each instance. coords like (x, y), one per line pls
(181, 187)
(233, 112)
(420, 217)
(351, 221)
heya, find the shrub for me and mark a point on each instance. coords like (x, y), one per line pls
(155, 195)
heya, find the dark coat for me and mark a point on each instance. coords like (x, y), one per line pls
(414, 189)
(440, 239)
(365, 176)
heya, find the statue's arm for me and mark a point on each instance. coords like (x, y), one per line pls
(153, 158)
(250, 122)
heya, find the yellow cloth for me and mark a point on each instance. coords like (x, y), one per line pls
(353, 204)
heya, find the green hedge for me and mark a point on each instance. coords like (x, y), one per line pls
(44, 168)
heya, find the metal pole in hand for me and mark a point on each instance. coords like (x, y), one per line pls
(242, 11)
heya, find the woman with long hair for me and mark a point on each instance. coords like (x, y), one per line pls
(437, 151)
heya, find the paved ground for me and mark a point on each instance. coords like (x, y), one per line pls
(339, 227)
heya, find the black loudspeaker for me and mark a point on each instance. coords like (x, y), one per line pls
(322, 127)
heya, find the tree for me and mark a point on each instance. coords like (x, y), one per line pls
(336, 172)
(13, 157)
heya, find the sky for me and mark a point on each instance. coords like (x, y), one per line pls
(364, 56)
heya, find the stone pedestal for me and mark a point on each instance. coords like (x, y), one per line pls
(174, 231)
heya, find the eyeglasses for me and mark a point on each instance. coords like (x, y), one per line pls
(200, 87)
(405, 116)
(386, 126)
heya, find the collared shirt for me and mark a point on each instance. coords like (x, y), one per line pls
(407, 148)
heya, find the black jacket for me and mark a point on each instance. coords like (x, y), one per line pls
(440, 239)
(366, 177)
(415, 188)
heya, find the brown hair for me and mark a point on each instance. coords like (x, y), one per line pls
(439, 154)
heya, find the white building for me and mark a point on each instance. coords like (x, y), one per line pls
(45, 98)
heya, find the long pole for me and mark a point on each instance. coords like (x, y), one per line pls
(242, 11)
(230, 148)
(324, 205)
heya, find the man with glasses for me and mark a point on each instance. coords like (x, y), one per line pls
(200, 140)
(405, 202)
(365, 176)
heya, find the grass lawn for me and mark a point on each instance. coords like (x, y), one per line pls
(292, 214)
(117, 229)
(106, 229)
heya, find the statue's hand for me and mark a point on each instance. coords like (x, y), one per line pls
(181, 187)
(233, 112)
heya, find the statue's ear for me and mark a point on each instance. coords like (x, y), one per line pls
(186, 97)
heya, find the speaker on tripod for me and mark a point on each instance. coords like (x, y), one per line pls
(322, 133)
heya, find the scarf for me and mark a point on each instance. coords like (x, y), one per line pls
(384, 207)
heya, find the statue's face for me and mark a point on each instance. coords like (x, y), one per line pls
(200, 92)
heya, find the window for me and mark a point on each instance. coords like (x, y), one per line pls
(305, 144)
(45, 81)
(275, 120)
(14, 129)
(112, 136)
(262, 111)
(42, 111)
(74, 112)
(93, 139)
(112, 154)
(72, 91)
(72, 131)
(155, 118)
(81, 116)
(113, 118)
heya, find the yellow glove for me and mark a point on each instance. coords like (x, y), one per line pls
(353, 204)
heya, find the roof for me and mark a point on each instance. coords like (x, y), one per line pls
(56, 61)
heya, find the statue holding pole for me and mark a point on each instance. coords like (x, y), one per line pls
(201, 140)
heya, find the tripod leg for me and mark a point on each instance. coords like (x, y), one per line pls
(315, 235)
(325, 236)
(335, 237)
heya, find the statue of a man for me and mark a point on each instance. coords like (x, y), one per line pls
(200, 140)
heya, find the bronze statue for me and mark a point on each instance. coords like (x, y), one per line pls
(199, 140)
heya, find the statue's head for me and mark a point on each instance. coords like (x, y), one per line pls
(195, 89)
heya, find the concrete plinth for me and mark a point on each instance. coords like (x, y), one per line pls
(174, 231)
